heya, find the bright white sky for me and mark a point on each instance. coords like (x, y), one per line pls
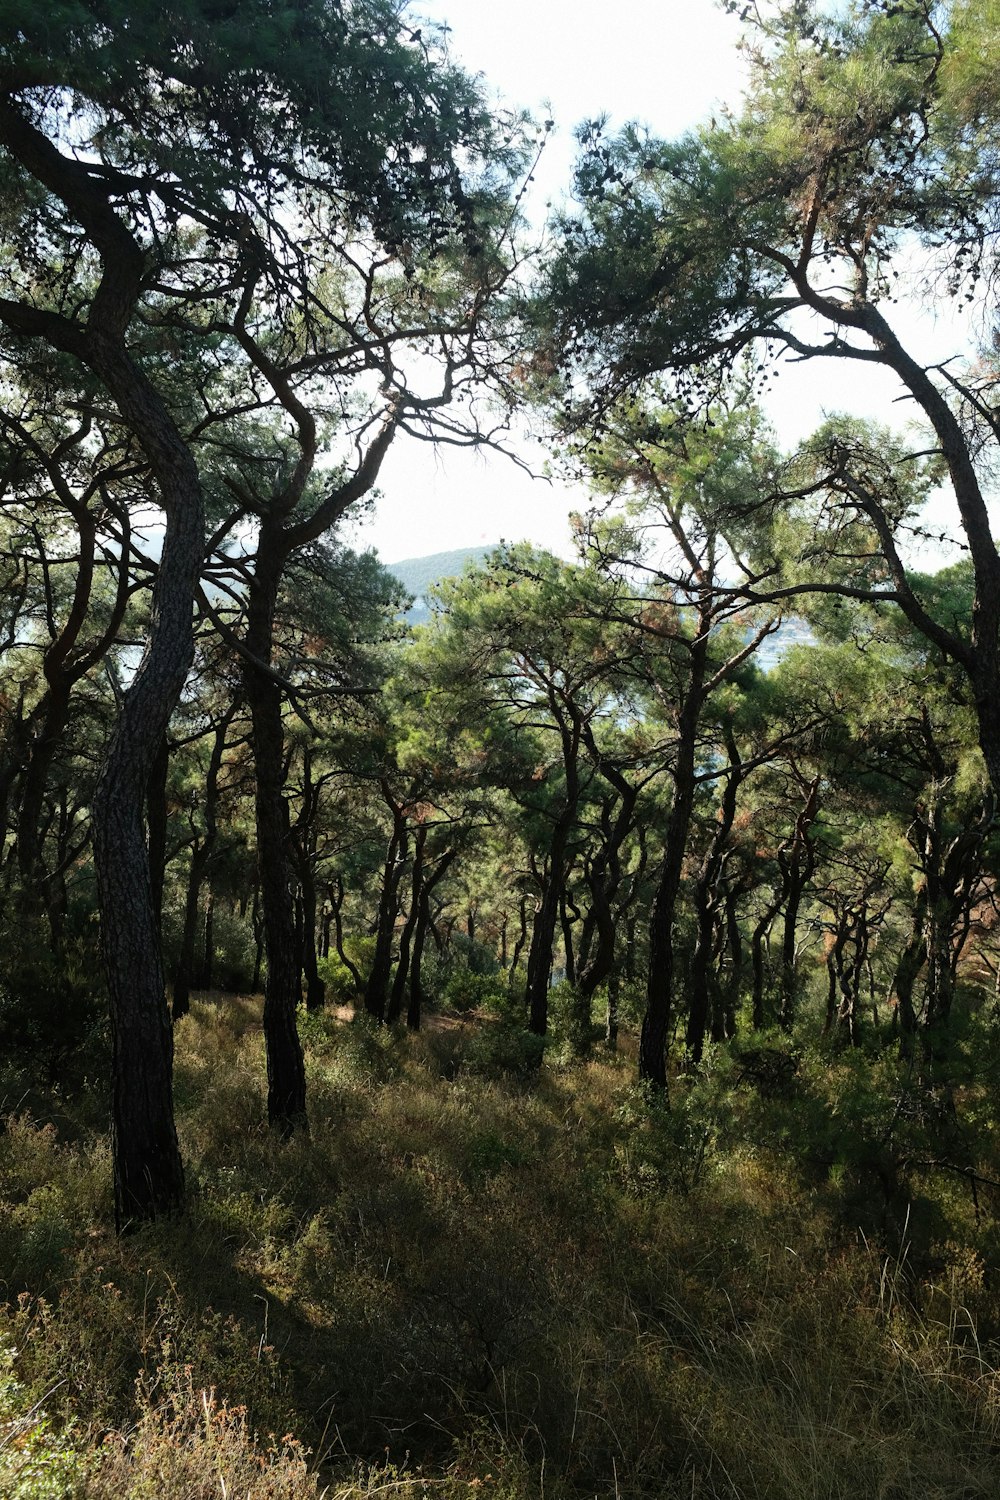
(668, 63)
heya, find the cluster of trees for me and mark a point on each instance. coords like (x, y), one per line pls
(246, 248)
(228, 286)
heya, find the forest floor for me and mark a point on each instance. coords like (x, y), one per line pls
(476, 1276)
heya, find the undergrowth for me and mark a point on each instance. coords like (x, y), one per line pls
(474, 1275)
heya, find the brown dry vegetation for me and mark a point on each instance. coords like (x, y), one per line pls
(469, 1279)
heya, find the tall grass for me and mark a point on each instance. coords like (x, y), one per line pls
(468, 1278)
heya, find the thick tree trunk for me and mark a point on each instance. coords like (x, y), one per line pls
(149, 1178)
(536, 985)
(156, 825)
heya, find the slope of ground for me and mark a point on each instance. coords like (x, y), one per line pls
(474, 1277)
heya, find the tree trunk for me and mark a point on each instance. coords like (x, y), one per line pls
(201, 855)
(208, 952)
(797, 862)
(395, 1006)
(156, 824)
(706, 898)
(149, 1177)
(315, 987)
(522, 935)
(378, 980)
(611, 1021)
(337, 912)
(413, 1013)
(286, 1079)
(660, 980)
(189, 934)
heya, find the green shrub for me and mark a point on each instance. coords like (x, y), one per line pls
(463, 990)
(501, 1047)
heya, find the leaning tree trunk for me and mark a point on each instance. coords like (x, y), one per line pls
(336, 894)
(148, 1175)
(149, 1178)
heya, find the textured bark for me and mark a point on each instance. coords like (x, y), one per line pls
(148, 1175)
(149, 1178)
(156, 827)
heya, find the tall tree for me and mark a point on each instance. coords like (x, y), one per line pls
(869, 131)
(167, 174)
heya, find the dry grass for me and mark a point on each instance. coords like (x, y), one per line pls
(464, 1283)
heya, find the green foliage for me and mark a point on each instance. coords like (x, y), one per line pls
(503, 1048)
(571, 1024)
(462, 990)
(52, 1003)
(337, 976)
(36, 1463)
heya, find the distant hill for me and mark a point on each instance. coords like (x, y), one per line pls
(418, 575)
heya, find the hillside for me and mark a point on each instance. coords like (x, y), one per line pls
(479, 1277)
(419, 574)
